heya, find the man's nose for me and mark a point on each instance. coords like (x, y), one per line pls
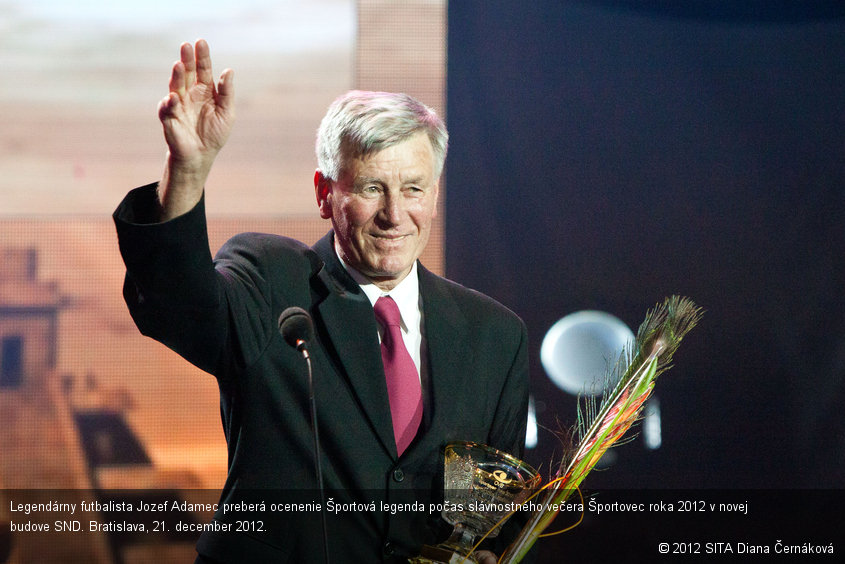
(392, 208)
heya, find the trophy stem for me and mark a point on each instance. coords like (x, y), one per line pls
(460, 539)
(455, 550)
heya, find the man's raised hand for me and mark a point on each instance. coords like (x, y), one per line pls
(197, 117)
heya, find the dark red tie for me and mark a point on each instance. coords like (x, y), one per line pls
(403, 381)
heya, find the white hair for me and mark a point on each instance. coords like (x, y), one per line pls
(360, 123)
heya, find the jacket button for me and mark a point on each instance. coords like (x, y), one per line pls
(388, 549)
(398, 475)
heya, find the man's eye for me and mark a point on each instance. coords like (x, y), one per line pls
(370, 189)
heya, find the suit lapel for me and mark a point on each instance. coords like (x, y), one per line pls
(347, 317)
(450, 357)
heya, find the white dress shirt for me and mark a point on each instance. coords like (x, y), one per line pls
(407, 296)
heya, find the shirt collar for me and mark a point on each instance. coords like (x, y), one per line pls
(406, 294)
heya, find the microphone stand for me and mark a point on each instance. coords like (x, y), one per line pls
(316, 436)
(297, 328)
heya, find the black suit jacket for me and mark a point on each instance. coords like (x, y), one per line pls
(222, 316)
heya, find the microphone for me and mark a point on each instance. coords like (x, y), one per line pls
(297, 329)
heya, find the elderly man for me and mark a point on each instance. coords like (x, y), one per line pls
(404, 361)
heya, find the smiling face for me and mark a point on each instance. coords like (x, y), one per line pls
(381, 209)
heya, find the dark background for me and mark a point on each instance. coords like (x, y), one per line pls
(605, 155)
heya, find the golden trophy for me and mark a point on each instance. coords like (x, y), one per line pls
(482, 486)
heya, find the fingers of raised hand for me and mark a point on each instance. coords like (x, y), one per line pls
(186, 53)
(167, 106)
(177, 78)
(203, 63)
(226, 91)
(193, 67)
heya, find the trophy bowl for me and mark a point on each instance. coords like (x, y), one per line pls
(482, 486)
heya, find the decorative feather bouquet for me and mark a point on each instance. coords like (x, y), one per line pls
(651, 353)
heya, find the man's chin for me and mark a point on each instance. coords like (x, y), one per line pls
(387, 274)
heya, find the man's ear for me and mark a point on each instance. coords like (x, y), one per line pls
(323, 191)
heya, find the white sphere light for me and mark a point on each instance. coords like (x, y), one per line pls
(581, 349)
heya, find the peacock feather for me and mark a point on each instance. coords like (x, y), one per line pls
(599, 428)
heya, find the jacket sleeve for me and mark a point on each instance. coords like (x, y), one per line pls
(510, 421)
(170, 285)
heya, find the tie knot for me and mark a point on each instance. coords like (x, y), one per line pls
(387, 312)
